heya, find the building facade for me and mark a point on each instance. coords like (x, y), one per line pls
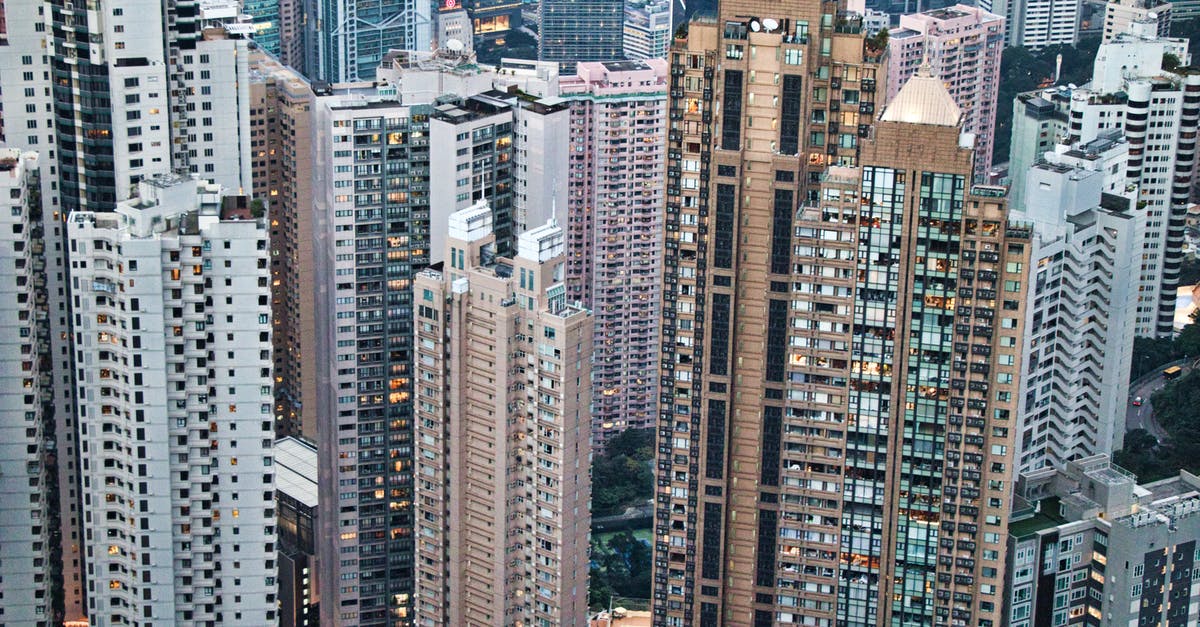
(296, 503)
(571, 31)
(1080, 307)
(1040, 123)
(503, 435)
(963, 44)
(791, 486)
(1119, 15)
(1158, 111)
(347, 42)
(647, 29)
(616, 181)
(282, 117)
(1035, 24)
(28, 117)
(28, 469)
(1088, 544)
(172, 335)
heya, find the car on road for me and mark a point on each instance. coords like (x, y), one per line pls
(1137, 401)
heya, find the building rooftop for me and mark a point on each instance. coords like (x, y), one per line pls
(1046, 517)
(923, 100)
(296, 470)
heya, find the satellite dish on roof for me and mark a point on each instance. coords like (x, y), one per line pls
(454, 45)
(1072, 86)
(770, 24)
(755, 26)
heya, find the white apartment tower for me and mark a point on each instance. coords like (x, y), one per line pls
(172, 337)
(1159, 113)
(1036, 24)
(503, 433)
(27, 113)
(26, 416)
(1081, 301)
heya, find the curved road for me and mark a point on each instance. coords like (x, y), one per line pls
(1143, 417)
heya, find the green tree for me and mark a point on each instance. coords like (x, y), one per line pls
(623, 475)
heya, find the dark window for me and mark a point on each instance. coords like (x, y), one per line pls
(785, 176)
(726, 170)
(789, 124)
(776, 339)
(772, 428)
(723, 242)
(714, 461)
(731, 114)
(710, 563)
(708, 613)
(718, 362)
(762, 618)
(781, 232)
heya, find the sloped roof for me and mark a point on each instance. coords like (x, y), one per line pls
(923, 100)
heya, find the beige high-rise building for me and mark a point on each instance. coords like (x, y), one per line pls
(503, 426)
(841, 341)
(281, 146)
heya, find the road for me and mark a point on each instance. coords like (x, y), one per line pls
(1143, 417)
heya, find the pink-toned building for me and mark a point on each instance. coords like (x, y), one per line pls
(502, 433)
(614, 230)
(963, 44)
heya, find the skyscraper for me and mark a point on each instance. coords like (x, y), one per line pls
(282, 118)
(963, 45)
(503, 431)
(26, 105)
(614, 230)
(1120, 14)
(348, 39)
(839, 374)
(28, 472)
(1036, 24)
(1080, 305)
(744, 148)
(1159, 112)
(581, 30)
(378, 209)
(647, 29)
(173, 346)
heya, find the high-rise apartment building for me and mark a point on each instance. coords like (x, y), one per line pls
(503, 484)
(172, 339)
(647, 29)
(1119, 15)
(1159, 112)
(1035, 24)
(795, 482)
(1087, 542)
(28, 472)
(374, 227)
(743, 150)
(963, 44)
(571, 31)
(347, 40)
(1080, 306)
(371, 235)
(1039, 124)
(27, 112)
(281, 118)
(110, 99)
(616, 177)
